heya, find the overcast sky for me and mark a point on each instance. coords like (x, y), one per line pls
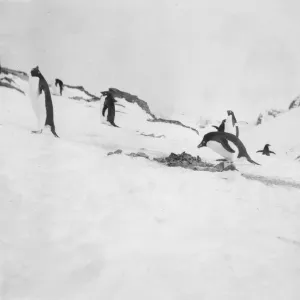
(200, 56)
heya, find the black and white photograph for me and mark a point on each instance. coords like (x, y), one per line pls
(149, 150)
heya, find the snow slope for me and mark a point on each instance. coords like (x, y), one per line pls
(78, 224)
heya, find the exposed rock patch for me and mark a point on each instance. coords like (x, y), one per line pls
(295, 103)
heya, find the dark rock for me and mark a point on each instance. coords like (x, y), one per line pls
(144, 106)
(82, 89)
(153, 135)
(295, 103)
(119, 151)
(139, 154)
(272, 113)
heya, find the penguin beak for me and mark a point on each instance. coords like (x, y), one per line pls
(201, 145)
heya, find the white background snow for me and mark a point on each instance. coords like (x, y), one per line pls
(78, 224)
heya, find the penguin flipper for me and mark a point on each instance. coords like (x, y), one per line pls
(259, 151)
(237, 131)
(272, 152)
(104, 109)
(226, 146)
(215, 127)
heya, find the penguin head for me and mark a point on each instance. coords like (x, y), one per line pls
(204, 141)
(35, 72)
(230, 113)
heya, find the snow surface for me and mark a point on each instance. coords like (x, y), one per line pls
(78, 224)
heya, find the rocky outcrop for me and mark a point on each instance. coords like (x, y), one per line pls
(19, 74)
(132, 99)
(91, 98)
(10, 86)
(7, 81)
(269, 114)
(174, 122)
(295, 103)
(82, 89)
(144, 106)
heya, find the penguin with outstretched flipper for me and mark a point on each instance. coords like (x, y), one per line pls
(266, 150)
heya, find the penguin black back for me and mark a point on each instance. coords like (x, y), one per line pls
(43, 87)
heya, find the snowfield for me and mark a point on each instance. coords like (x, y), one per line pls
(78, 224)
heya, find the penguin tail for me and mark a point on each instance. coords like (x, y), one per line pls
(54, 132)
(253, 162)
(113, 124)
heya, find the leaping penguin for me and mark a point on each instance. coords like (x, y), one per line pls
(220, 128)
(41, 101)
(227, 145)
(266, 150)
(231, 124)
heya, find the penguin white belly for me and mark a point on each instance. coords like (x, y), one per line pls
(229, 127)
(38, 102)
(218, 148)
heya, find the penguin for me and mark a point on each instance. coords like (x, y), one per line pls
(266, 150)
(109, 104)
(227, 145)
(221, 128)
(59, 83)
(231, 124)
(41, 101)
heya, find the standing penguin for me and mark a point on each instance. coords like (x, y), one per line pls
(59, 83)
(227, 145)
(109, 104)
(266, 150)
(221, 127)
(41, 101)
(231, 124)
